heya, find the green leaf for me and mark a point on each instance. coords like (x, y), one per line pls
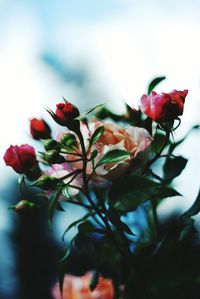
(113, 156)
(83, 119)
(158, 141)
(173, 167)
(86, 227)
(21, 179)
(52, 205)
(62, 271)
(85, 217)
(93, 155)
(94, 108)
(63, 264)
(133, 115)
(59, 207)
(129, 192)
(66, 191)
(187, 228)
(114, 217)
(94, 280)
(96, 135)
(154, 83)
(104, 113)
(194, 209)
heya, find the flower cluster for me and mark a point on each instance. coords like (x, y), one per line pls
(106, 166)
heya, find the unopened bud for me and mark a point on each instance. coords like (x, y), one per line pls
(65, 115)
(51, 144)
(69, 140)
(46, 182)
(39, 129)
(53, 157)
(22, 205)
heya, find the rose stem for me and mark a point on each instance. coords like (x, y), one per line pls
(104, 219)
(154, 203)
(158, 154)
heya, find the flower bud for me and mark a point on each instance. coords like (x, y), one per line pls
(39, 129)
(51, 144)
(21, 158)
(22, 205)
(53, 157)
(69, 140)
(65, 115)
(66, 111)
(46, 182)
(165, 107)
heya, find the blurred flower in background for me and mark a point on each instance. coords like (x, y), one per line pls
(90, 52)
(78, 287)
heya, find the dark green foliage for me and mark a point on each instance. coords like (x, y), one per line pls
(194, 209)
(113, 156)
(128, 193)
(173, 167)
(53, 204)
(96, 135)
(154, 83)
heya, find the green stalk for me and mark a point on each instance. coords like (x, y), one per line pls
(93, 205)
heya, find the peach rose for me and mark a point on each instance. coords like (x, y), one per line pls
(78, 288)
(133, 139)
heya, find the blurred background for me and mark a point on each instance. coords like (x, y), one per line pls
(90, 52)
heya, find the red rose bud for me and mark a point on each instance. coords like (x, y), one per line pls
(39, 129)
(46, 182)
(21, 158)
(66, 111)
(165, 107)
(65, 115)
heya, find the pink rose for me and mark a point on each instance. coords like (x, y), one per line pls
(21, 158)
(164, 107)
(78, 288)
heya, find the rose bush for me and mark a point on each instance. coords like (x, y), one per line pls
(21, 158)
(164, 107)
(119, 233)
(78, 288)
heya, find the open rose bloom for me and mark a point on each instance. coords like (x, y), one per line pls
(164, 107)
(75, 287)
(132, 139)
